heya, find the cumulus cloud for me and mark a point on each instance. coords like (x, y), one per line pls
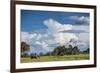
(25, 36)
(53, 37)
(54, 26)
(82, 20)
(84, 37)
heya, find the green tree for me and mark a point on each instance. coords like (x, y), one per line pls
(75, 50)
(24, 55)
(41, 54)
(24, 48)
(86, 51)
(60, 50)
(69, 49)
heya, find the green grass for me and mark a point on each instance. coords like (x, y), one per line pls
(56, 58)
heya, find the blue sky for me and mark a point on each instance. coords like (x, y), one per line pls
(45, 30)
(33, 19)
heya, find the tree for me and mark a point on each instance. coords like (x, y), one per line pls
(69, 49)
(24, 48)
(24, 55)
(60, 51)
(41, 54)
(86, 51)
(75, 50)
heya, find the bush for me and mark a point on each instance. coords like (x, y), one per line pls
(24, 55)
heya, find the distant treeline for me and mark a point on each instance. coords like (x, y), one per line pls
(62, 50)
(58, 51)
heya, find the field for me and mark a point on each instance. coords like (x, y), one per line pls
(55, 58)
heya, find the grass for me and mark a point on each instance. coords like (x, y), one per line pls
(56, 58)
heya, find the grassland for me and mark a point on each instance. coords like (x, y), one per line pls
(56, 58)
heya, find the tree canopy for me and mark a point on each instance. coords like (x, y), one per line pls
(24, 47)
(62, 50)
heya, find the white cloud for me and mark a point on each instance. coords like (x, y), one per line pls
(63, 38)
(33, 35)
(45, 46)
(82, 20)
(81, 27)
(84, 37)
(38, 36)
(53, 36)
(25, 36)
(54, 26)
(38, 43)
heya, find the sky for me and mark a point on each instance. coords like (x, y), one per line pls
(45, 30)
